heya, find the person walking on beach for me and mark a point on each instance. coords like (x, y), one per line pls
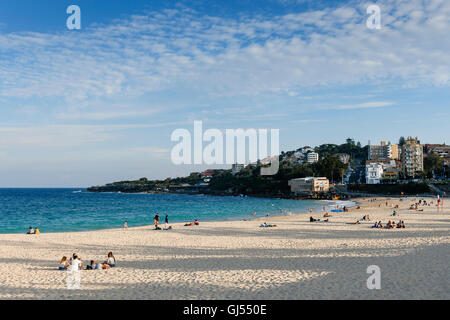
(167, 221)
(125, 225)
(156, 220)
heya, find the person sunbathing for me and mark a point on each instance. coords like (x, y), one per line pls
(265, 225)
(94, 266)
(191, 224)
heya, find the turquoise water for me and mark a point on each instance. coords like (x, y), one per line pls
(62, 210)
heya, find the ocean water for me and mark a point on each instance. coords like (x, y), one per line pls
(63, 210)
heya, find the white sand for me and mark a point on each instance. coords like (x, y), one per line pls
(239, 260)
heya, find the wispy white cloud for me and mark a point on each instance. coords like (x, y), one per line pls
(309, 120)
(366, 105)
(104, 115)
(182, 50)
(57, 136)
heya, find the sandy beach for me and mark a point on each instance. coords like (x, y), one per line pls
(239, 260)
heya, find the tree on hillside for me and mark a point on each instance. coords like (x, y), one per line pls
(330, 167)
(432, 164)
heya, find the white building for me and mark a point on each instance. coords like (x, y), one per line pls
(374, 173)
(312, 157)
(309, 185)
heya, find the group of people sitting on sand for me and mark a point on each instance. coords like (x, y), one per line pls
(33, 231)
(191, 224)
(75, 263)
(422, 203)
(389, 225)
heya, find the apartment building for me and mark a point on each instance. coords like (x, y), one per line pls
(312, 157)
(384, 151)
(412, 156)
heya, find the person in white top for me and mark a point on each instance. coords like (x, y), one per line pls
(76, 264)
(111, 261)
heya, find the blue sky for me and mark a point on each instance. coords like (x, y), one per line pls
(90, 106)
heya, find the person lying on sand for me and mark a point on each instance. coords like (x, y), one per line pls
(94, 266)
(191, 224)
(105, 266)
(265, 225)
